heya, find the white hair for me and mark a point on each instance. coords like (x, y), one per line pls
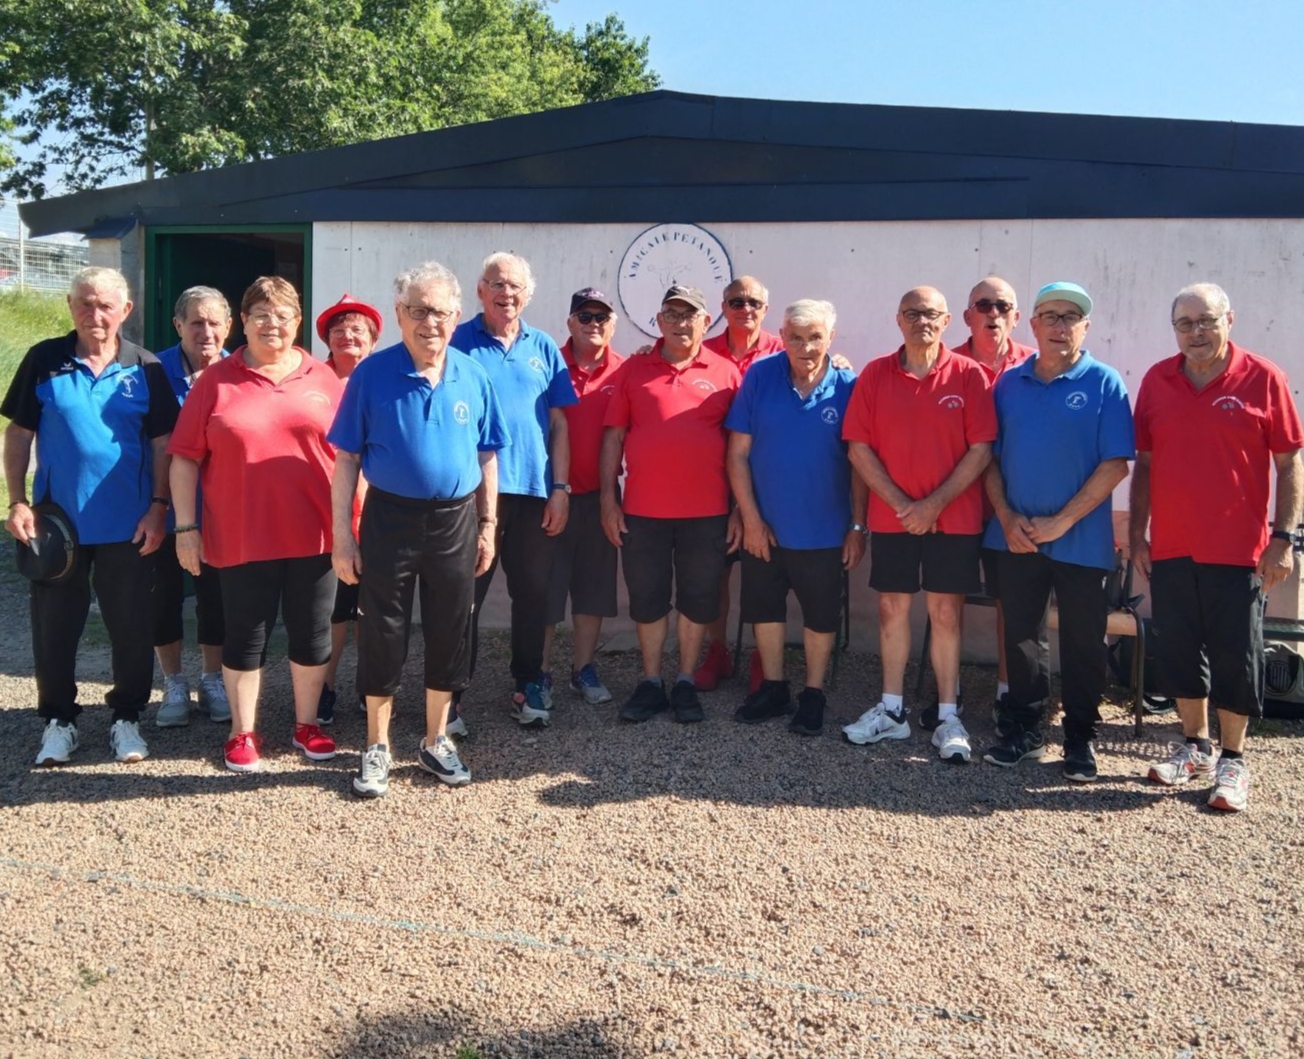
(1210, 293)
(99, 276)
(501, 259)
(428, 274)
(808, 311)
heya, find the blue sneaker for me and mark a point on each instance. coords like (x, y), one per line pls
(586, 683)
(529, 707)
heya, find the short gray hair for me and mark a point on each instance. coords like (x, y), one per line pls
(741, 281)
(499, 258)
(1211, 293)
(193, 296)
(808, 311)
(99, 276)
(427, 274)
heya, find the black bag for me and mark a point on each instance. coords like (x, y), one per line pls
(1283, 682)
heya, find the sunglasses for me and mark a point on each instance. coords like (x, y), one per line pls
(745, 303)
(986, 305)
(593, 318)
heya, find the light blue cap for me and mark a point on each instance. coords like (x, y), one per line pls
(1061, 291)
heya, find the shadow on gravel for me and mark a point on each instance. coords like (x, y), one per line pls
(456, 1035)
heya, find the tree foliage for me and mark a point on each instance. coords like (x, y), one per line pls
(114, 88)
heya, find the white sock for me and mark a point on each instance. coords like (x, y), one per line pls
(1002, 688)
(945, 711)
(894, 703)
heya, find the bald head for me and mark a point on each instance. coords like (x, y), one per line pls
(923, 318)
(923, 298)
(991, 316)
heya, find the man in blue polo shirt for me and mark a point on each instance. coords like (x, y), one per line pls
(1065, 439)
(202, 318)
(801, 505)
(532, 385)
(420, 420)
(99, 411)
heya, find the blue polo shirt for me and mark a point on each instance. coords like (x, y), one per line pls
(1053, 435)
(418, 440)
(180, 378)
(93, 453)
(800, 472)
(529, 380)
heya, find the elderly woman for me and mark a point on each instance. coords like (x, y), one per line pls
(350, 329)
(253, 431)
(202, 318)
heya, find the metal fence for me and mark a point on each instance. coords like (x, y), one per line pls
(36, 264)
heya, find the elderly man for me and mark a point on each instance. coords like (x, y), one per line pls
(584, 565)
(533, 387)
(921, 427)
(1211, 424)
(666, 419)
(801, 507)
(420, 420)
(1065, 439)
(202, 318)
(991, 317)
(100, 412)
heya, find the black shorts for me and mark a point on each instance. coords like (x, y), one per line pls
(949, 562)
(346, 603)
(687, 551)
(583, 564)
(991, 564)
(1207, 633)
(170, 594)
(302, 589)
(815, 574)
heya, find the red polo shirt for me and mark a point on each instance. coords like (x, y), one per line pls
(1017, 355)
(585, 420)
(1211, 456)
(674, 433)
(920, 429)
(766, 344)
(265, 464)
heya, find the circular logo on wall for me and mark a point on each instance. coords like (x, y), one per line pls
(662, 256)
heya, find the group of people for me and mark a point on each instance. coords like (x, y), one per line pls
(339, 492)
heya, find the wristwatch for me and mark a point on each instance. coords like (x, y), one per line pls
(1282, 535)
(859, 528)
(563, 486)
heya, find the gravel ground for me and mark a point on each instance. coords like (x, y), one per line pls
(613, 891)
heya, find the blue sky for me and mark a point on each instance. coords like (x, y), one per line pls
(1155, 58)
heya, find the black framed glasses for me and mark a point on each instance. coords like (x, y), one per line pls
(593, 318)
(1050, 319)
(420, 312)
(745, 303)
(986, 305)
(1205, 323)
(915, 315)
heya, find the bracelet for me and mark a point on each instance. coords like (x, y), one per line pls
(194, 526)
(485, 520)
(1282, 535)
(160, 500)
(16, 503)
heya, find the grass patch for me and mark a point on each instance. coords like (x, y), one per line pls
(468, 1051)
(27, 317)
(88, 978)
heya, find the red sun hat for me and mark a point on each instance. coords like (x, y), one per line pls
(348, 304)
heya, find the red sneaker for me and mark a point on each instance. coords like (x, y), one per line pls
(315, 744)
(715, 667)
(755, 673)
(242, 752)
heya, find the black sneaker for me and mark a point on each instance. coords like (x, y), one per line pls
(771, 699)
(1016, 744)
(1079, 761)
(647, 701)
(1000, 711)
(683, 699)
(930, 718)
(326, 706)
(809, 718)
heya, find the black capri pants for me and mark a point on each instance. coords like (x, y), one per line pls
(408, 544)
(302, 589)
(170, 593)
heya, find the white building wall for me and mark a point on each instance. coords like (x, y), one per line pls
(1131, 267)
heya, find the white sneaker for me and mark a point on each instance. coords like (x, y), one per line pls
(174, 710)
(877, 724)
(952, 741)
(58, 741)
(212, 697)
(126, 743)
(1185, 764)
(1231, 792)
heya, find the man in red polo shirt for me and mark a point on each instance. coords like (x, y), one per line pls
(920, 426)
(666, 419)
(584, 566)
(1211, 423)
(991, 317)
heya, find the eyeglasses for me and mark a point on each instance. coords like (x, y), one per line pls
(593, 318)
(283, 318)
(1205, 323)
(745, 303)
(1050, 319)
(498, 286)
(352, 331)
(915, 315)
(420, 312)
(986, 305)
(672, 316)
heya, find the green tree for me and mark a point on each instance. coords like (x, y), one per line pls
(113, 88)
